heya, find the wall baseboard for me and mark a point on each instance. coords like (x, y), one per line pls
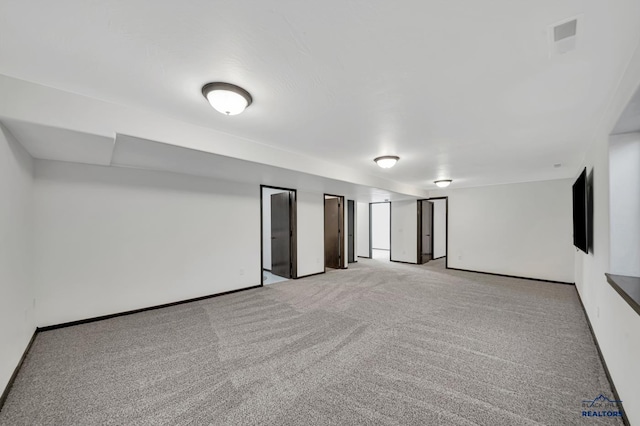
(402, 261)
(135, 311)
(12, 379)
(511, 276)
(309, 275)
(625, 420)
(364, 257)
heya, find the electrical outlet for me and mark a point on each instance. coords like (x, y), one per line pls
(459, 257)
(241, 271)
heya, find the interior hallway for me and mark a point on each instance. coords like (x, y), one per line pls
(378, 343)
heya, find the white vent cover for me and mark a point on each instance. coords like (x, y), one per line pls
(562, 36)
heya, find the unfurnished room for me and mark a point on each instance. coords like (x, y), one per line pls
(319, 213)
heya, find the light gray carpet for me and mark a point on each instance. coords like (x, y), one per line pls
(378, 343)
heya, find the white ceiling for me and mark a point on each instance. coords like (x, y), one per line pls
(458, 89)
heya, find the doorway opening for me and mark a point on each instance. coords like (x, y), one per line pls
(433, 218)
(380, 231)
(278, 234)
(334, 253)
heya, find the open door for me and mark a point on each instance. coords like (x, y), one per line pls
(281, 263)
(425, 231)
(351, 224)
(333, 234)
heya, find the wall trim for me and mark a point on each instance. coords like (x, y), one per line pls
(135, 311)
(402, 261)
(310, 275)
(12, 379)
(625, 420)
(512, 276)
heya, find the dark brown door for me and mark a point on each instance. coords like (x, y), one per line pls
(281, 234)
(332, 233)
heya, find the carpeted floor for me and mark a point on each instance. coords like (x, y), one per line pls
(379, 343)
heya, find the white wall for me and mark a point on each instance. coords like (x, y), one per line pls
(615, 324)
(624, 207)
(362, 235)
(17, 320)
(404, 231)
(522, 229)
(266, 225)
(380, 226)
(112, 239)
(439, 228)
(310, 214)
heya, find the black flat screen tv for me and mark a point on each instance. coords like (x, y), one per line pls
(580, 212)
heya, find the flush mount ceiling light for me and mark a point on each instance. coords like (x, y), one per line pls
(227, 98)
(386, 161)
(443, 183)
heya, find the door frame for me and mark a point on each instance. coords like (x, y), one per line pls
(446, 242)
(293, 237)
(340, 230)
(351, 206)
(371, 228)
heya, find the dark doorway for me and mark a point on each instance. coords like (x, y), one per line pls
(333, 232)
(351, 224)
(433, 229)
(281, 234)
(425, 231)
(278, 234)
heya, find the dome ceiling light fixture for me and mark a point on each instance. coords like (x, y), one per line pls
(443, 183)
(227, 98)
(386, 161)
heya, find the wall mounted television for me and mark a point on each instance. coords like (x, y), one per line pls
(581, 199)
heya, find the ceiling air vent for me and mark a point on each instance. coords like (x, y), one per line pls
(563, 37)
